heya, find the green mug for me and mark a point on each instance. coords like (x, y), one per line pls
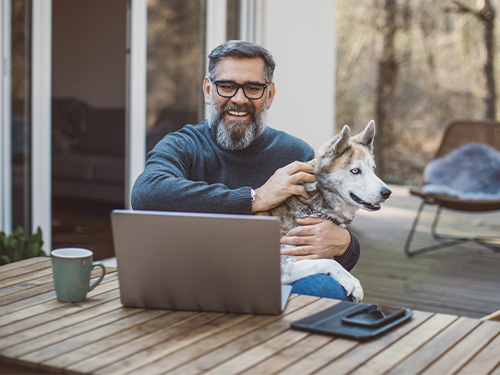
(71, 269)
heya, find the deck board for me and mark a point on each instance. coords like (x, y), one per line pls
(462, 280)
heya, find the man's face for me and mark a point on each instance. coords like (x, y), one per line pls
(237, 121)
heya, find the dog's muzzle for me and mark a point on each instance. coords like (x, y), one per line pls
(385, 193)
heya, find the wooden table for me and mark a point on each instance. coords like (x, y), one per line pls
(100, 336)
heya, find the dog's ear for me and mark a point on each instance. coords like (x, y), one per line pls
(367, 136)
(335, 147)
(311, 187)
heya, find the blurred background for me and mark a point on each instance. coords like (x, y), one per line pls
(411, 65)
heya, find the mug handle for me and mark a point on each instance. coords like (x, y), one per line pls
(100, 277)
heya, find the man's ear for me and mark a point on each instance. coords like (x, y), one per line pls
(206, 90)
(272, 91)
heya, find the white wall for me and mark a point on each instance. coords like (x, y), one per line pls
(301, 37)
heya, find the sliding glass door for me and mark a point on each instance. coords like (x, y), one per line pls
(16, 115)
(21, 129)
(96, 83)
(175, 66)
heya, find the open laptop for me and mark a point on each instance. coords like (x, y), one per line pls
(201, 262)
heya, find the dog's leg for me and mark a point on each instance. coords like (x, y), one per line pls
(293, 271)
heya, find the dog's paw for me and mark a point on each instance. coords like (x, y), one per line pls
(353, 288)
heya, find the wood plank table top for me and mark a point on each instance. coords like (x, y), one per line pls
(39, 334)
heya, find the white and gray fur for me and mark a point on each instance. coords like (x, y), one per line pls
(345, 182)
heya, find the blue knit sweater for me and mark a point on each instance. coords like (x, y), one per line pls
(188, 172)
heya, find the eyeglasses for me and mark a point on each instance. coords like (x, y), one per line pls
(228, 89)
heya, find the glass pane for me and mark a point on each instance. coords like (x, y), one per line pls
(233, 19)
(88, 121)
(21, 117)
(175, 66)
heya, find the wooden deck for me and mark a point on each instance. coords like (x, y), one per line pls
(462, 280)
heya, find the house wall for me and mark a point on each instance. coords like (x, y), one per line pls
(89, 42)
(301, 36)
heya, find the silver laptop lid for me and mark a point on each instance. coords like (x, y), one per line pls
(201, 262)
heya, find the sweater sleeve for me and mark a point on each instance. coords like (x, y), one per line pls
(351, 256)
(165, 184)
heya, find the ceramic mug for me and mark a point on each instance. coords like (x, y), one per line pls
(71, 268)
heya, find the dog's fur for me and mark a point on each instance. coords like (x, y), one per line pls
(345, 182)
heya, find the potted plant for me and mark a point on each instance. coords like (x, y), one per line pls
(17, 246)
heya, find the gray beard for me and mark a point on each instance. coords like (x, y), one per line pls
(235, 140)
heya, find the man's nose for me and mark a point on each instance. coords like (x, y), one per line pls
(239, 97)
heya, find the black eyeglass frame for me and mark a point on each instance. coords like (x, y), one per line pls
(240, 86)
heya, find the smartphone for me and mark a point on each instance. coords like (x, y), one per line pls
(374, 316)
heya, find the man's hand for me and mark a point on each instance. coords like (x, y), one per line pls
(283, 184)
(316, 238)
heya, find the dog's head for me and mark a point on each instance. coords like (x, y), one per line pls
(345, 166)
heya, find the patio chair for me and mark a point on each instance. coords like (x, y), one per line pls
(458, 133)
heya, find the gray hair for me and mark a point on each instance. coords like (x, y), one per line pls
(240, 49)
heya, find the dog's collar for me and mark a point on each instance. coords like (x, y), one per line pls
(321, 215)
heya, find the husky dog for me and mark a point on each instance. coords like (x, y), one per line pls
(345, 182)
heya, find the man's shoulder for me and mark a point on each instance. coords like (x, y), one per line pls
(188, 139)
(287, 140)
(189, 133)
(193, 129)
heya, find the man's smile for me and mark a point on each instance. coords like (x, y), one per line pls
(237, 114)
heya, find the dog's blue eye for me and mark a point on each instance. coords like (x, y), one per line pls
(355, 171)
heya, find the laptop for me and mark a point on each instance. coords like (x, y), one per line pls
(199, 262)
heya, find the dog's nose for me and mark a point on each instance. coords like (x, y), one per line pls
(386, 193)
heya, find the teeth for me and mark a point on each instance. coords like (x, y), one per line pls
(233, 113)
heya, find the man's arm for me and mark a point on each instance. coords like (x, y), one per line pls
(167, 184)
(317, 238)
(351, 256)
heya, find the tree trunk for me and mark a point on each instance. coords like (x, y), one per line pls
(386, 85)
(487, 15)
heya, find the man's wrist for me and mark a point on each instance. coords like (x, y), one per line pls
(350, 257)
(253, 195)
(259, 204)
(347, 242)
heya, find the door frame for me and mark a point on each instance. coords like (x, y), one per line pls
(41, 126)
(135, 150)
(5, 117)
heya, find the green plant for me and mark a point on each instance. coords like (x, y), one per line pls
(17, 246)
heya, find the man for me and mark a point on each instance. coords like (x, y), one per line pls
(232, 163)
